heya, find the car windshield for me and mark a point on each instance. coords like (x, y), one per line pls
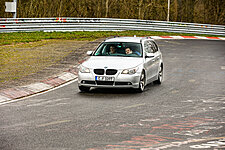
(122, 49)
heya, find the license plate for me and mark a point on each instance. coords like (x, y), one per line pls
(104, 78)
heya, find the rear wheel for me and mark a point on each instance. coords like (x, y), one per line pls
(160, 75)
(84, 88)
(141, 83)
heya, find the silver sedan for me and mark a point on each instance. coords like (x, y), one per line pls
(122, 62)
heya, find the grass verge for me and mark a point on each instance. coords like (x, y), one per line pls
(21, 60)
(26, 37)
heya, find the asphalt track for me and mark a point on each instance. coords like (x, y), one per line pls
(186, 112)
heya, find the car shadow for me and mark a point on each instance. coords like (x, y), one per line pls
(115, 91)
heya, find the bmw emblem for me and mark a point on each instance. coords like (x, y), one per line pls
(105, 67)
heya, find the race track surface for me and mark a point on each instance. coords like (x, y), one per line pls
(187, 111)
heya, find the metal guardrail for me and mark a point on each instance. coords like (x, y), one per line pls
(104, 24)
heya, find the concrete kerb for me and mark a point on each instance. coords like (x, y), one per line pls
(69, 75)
(38, 87)
(187, 37)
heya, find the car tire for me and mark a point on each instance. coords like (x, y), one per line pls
(160, 75)
(141, 83)
(84, 88)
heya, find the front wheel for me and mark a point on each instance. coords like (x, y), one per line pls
(84, 89)
(160, 75)
(141, 83)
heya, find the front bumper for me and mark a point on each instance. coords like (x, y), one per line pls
(121, 80)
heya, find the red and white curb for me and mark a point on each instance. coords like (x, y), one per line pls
(52, 82)
(39, 87)
(187, 37)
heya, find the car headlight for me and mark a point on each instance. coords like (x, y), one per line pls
(130, 71)
(83, 69)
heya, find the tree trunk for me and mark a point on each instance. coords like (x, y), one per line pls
(106, 8)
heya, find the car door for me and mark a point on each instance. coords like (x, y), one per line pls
(149, 61)
(156, 59)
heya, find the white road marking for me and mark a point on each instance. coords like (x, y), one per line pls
(223, 67)
(53, 123)
(192, 80)
(46, 102)
(174, 91)
(133, 106)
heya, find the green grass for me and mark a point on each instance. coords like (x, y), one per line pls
(26, 37)
(21, 60)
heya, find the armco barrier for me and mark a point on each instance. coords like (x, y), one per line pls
(104, 24)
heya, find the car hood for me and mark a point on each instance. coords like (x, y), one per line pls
(112, 62)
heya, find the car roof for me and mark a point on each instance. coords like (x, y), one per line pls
(126, 39)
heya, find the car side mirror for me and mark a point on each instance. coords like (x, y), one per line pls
(149, 55)
(89, 53)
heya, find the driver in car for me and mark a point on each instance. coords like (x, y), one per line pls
(112, 50)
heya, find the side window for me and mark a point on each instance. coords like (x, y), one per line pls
(148, 47)
(154, 47)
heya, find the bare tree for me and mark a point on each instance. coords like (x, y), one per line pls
(199, 11)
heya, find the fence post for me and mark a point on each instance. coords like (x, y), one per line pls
(14, 14)
(168, 12)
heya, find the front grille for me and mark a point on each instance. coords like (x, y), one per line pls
(99, 71)
(104, 82)
(111, 72)
(102, 71)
